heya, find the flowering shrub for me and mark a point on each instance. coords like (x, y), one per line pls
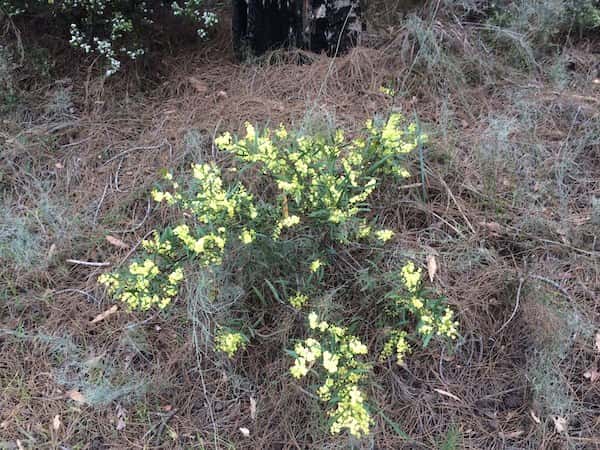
(111, 28)
(333, 355)
(315, 185)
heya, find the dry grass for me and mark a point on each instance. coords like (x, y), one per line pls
(510, 179)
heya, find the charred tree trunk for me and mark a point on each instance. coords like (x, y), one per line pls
(318, 25)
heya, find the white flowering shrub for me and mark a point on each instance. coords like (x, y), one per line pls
(313, 202)
(113, 29)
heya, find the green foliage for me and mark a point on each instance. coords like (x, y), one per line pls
(113, 29)
(307, 201)
(544, 21)
(452, 440)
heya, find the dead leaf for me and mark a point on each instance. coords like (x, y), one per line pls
(535, 418)
(448, 394)
(511, 435)
(113, 309)
(121, 418)
(56, 422)
(75, 396)
(494, 227)
(432, 267)
(221, 95)
(560, 424)
(51, 252)
(252, 408)
(245, 431)
(199, 85)
(598, 342)
(593, 375)
(121, 424)
(116, 242)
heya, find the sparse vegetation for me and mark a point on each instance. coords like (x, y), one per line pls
(263, 291)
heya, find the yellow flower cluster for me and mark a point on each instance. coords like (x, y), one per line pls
(286, 222)
(298, 300)
(387, 91)
(230, 342)
(208, 200)
(351, 413)
(411, 277)
(316, 265)
(209, 248)
(396, 345)
(384, 235)
(433, 318)
(247, 236)
(144, 285)
(327, 177)
(157, 245)
(333, 357)
(218, 213)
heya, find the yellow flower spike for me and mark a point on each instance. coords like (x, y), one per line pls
(247, 236)
(364, 231)
(324, 391)
(176, 276)
(223, 142)
(384, 235)
(230, 342)
(330, 362)
(290, 221)
(396, 345)
(402, 172)
(411, 276)
(298, 300)
(357, 347)
(299, 369)
(387, 91)
(416, 302)
(281, 132)
(322, 326)
(315, 265)
(250, 131)
(313, 320)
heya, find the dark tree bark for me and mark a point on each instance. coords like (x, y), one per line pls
(331, 26)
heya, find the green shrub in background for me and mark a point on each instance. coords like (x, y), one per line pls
(544, 21)
(308, 202)
(113, 29)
